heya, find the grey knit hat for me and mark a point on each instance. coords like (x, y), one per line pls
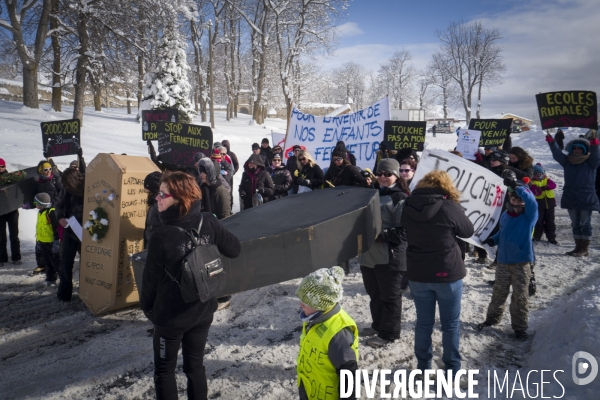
(198, 156)
(43, 199)
(389, 165)
(322, 289)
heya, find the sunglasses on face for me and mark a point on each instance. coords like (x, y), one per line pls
(2, 166)
(47, 169)
(337, 159)
(406, 171)
(164, 195)
(386, 174)
(297, 151)
(276, 160)
(301, 159)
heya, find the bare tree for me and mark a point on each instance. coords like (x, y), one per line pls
(473, 58)
(350, 81)
(440, 77)
(396, 78)
(30, 45)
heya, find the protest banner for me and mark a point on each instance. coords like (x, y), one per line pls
(151, 117)
(361, 131)
(278, 139)
(482, 191)
(178, 142)
(404, 134)
(468, 142)
(573, 108)
(61, 138)
(493, 131)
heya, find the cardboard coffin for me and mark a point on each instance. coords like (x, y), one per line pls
(106, 279)
(13, 196)
(293, 236)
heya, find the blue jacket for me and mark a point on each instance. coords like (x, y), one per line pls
(514, 237)
(579, 192)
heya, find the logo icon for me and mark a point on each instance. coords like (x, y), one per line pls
(581, 367)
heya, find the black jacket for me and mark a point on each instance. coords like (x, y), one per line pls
(521, 173)
(52, 186)
(160, 298)
(282, 181)
(433, 225)
(251, 181)
(68, 205)
(267, 153)
(345, 175)
(314, 174)
(152, 221)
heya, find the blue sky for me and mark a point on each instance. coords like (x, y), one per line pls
(548, 45)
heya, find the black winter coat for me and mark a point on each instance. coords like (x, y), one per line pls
(255, 180)
(519, 172)
(160, 298)
(345, 175)
(52, 186)
(267, 153)
(433, 224)
(282, 181)
(68, 205)
(152, 221)
(314, 174)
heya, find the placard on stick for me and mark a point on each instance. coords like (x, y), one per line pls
(151, 117)
(574, 108)
(404, 134)
(61, 138)
(493, 131)
(178, 142)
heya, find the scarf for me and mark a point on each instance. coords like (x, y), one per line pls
(577, 159)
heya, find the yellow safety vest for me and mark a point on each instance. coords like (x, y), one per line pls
(43, 229)
(548, 194)
(315, 370)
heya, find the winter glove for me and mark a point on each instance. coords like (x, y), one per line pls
(260, 190)
(532, 284)
(549, 138)
(545, 187)
(510, 179)
(478, 157)
(26, 206)
(80, 152)
(594, 142)
(511, 183)
(490, 242)
(223, 172)
(55, 247)
(303, 182)
(46, 155)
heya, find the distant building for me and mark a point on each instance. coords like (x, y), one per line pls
(521, 122)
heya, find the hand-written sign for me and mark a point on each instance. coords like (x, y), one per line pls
(493, 131)
(361, 132)
(403, 134)
(178, 142)
(575, 108)
(61, 138)
(482, 192)
(151, 117)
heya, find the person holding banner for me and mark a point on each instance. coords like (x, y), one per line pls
(579, 194)
(310, 176)
(434, 220)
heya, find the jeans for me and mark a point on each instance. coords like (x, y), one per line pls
(448, 297)
(581, 222)
(166, 346)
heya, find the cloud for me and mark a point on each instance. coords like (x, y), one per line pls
(349, 29)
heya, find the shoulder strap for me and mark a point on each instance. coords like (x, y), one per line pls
(194, 236)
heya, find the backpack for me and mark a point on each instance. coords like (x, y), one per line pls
(201, 275)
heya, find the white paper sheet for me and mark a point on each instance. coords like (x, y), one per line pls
(75, 226)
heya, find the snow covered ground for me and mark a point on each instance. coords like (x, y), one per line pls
(60, 351)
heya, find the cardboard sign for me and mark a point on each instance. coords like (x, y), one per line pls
(61, 138)
(482, 192)
(361, 132)
(468, 142)
(178, 142)
(404, 134)
(575, 108)
(493, 131)
(151, 117)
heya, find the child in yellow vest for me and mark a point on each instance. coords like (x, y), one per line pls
(543, 189)
(329, 339)
(47, 236)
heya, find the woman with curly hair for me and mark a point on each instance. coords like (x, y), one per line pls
(433, 221)
(520, 163)
(310, 176)
(176, 322)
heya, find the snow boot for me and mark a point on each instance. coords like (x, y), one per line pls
(584, 244)
(366, 332)
(484, 325)
(521, 335)
(376, 342)
(577, 246)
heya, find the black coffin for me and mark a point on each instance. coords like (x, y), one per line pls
(13, 196)
(293, 236)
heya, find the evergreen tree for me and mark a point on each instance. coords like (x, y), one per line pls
(168, 86)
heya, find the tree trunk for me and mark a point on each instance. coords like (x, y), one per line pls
(445, 102)
(140, 79)
(128, 94)
(479, 100)
(81, 68)
(97, 100)
(56, 82)
(30, 86)
(210, 78)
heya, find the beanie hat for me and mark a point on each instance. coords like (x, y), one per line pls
(216, 155)
(265, 140)
(217, 144)
(500, 155)
(585, 150)
(43, 199)
(389, 165)
(73, 164)
(322, 289)
(2, 163)
(538, 169)
(207, 166)
(198, 156)
(255, 146)
(151, 182)
(339, 151)
(277, 155)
